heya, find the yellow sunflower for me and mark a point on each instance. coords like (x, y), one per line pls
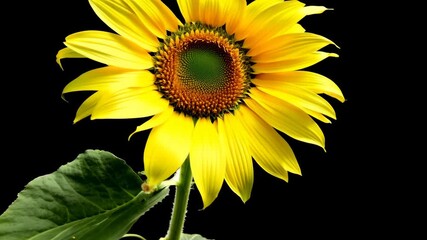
(219, 87)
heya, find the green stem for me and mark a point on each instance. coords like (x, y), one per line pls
(180, 203)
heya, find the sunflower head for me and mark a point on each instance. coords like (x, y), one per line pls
(219, 87)
(202, 71)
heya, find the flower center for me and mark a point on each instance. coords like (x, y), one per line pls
(202, 71)
(203, 66)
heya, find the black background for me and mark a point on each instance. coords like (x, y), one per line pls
(347, 192)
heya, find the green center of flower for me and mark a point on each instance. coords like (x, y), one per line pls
(202, 71)
(203, 66)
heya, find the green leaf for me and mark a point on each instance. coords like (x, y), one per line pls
(96, 196)
(186, 236)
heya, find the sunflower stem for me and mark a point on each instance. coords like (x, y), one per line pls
(182, 195)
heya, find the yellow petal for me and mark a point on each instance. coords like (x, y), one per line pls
(207, 164)
(274, 20)
(268, 148)
(288, 46)
(189, 10)
(209, 13)
(285, 118)
(121, 18)
(297, 28)
(232, 12)
(156, 16)
(239, 171)
(130, 103)
(110, 49)
(87, 107)
(110, 78)
(317, 115)
(291, 64)
(219, 12)
(309, 80)
(309, 10)
(155, 120)
(297, 96)
(250, 13)
(168, 145)
(66, 53)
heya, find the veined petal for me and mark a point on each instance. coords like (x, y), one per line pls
(288, 46)
(206, 161)
(66, 53)
(307, 10)
(251, 13)
(286, 118)
(167, 147)
(130, 103)
(234, 143)
(121, 18)
(233, 11)
(155, 121)
(297, 28)
(310, 10)
(308, 80)
(292, 64)
(110, 78)
(219, 12)
(209, 13)
(317, 115)
(189, 10)
(157, 17)
(214, 12)
(110, 49)
(297, 96)
(87, 107)
(269, 149)
(273, 21)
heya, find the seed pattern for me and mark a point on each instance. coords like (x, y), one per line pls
(202, 71)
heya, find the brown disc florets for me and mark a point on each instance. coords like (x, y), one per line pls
(202, 71)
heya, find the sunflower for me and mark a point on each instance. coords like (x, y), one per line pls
(218, 85)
